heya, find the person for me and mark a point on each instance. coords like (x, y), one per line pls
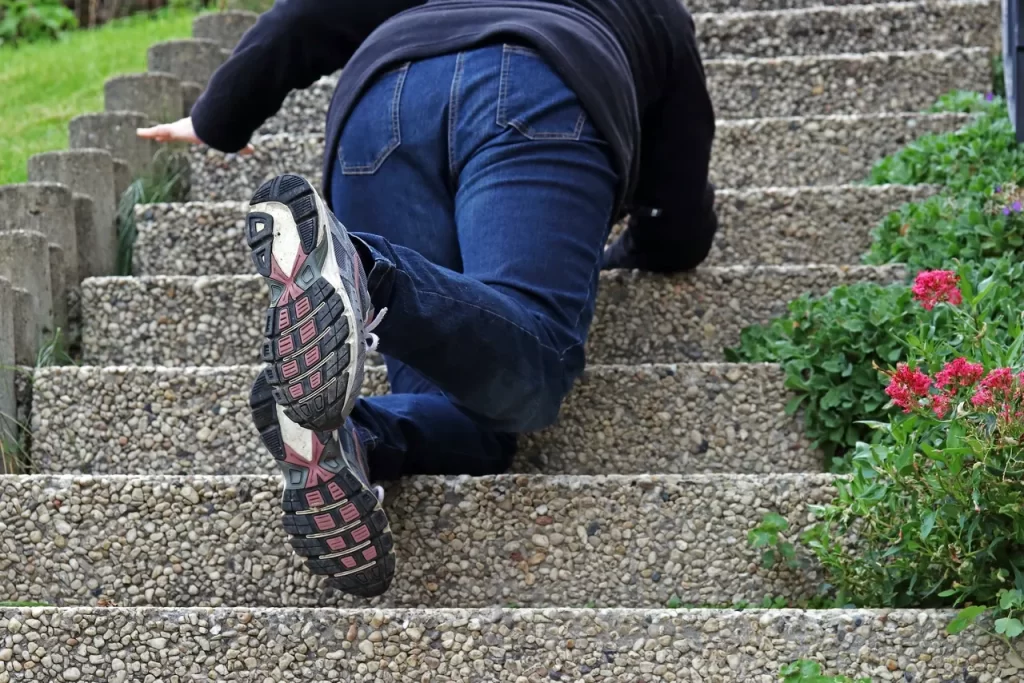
(481, 151)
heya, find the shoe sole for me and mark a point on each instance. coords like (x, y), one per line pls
(335, 521)
(309, 329)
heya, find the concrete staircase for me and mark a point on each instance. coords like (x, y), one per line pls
(150, 523)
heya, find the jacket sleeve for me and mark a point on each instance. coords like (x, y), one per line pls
(672, 216)
(291, 45)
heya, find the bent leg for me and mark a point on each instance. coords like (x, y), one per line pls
(536, 186)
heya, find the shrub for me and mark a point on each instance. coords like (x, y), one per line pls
(33, 20)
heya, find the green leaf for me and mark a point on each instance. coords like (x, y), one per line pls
(793, 404)
(927, 524)
(965, 618)
(1009, 627)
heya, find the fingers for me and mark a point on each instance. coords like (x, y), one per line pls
(159, 133)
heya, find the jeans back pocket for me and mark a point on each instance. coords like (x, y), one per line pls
(534, 100)
(373, 128)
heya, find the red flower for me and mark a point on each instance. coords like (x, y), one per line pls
(1000, 379)
(935, 286)
(940, 405)
(906, 386)
(982, 398)
(959, 374)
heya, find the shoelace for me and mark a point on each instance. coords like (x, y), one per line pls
(373, 340)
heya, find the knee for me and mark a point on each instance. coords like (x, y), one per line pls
(531, 403)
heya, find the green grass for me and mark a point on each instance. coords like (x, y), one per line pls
(45, 85)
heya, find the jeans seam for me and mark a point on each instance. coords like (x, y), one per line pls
(500, 119)
(396, 131)
(453, 113)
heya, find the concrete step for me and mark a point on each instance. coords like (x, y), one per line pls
(640, 318)
(541, 540)
(118, 644)
(897, 26)
(817, 84)
(823, 225)
(829, 150)
(691, 418)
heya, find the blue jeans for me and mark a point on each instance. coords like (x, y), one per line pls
(484, 195)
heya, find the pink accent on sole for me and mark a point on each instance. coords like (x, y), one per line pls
(302, 307)
(360, 534)
(290, 369)
(335, 491)
(312, 356)
(370, 553)
(285, 345)
(315, 380)
(295, 390)
(336, 543)
(324, 522)
(283, 320)
(307, 331)
(349, 513)
(314, 499)
(316, 474)
(349, 562)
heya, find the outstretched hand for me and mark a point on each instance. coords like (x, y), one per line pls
(179, 131)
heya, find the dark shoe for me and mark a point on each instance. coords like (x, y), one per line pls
(319, 324)
(331, 512)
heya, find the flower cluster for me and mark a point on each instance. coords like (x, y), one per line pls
(1000, 391)
(933, 287)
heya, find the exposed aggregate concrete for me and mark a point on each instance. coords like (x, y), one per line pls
(816, 84)
(641, 318)
(691, 418)
(764, 226)
(541, 540)
(749, 153)
(115, 645)
(851, 29)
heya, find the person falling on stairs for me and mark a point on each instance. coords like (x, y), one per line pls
(483, 149)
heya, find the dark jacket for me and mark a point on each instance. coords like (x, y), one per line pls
(634, 64)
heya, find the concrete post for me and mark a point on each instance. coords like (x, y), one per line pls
(25, 261)
(26, 331)
(157, 95)
(190, 92)
(114, 132)
(224, 28)
(193, 61)
(8, 401)
(89, 173)
(122, 179)
(46, 208)
(58, 289)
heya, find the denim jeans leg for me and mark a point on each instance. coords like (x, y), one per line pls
(533, 191)
(386, 182)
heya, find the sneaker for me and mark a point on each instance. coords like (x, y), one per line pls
(333, 515)
(320, 323)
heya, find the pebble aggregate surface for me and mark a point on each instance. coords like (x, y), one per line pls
(537, 540)
(691, 418)
(640, 318)
(118, 645)
(822, 225)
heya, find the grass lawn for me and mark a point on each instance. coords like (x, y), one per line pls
(45, 85)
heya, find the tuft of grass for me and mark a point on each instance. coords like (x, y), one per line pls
(44, 85)
(53, 352)
(23, 603)
(167, 179)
